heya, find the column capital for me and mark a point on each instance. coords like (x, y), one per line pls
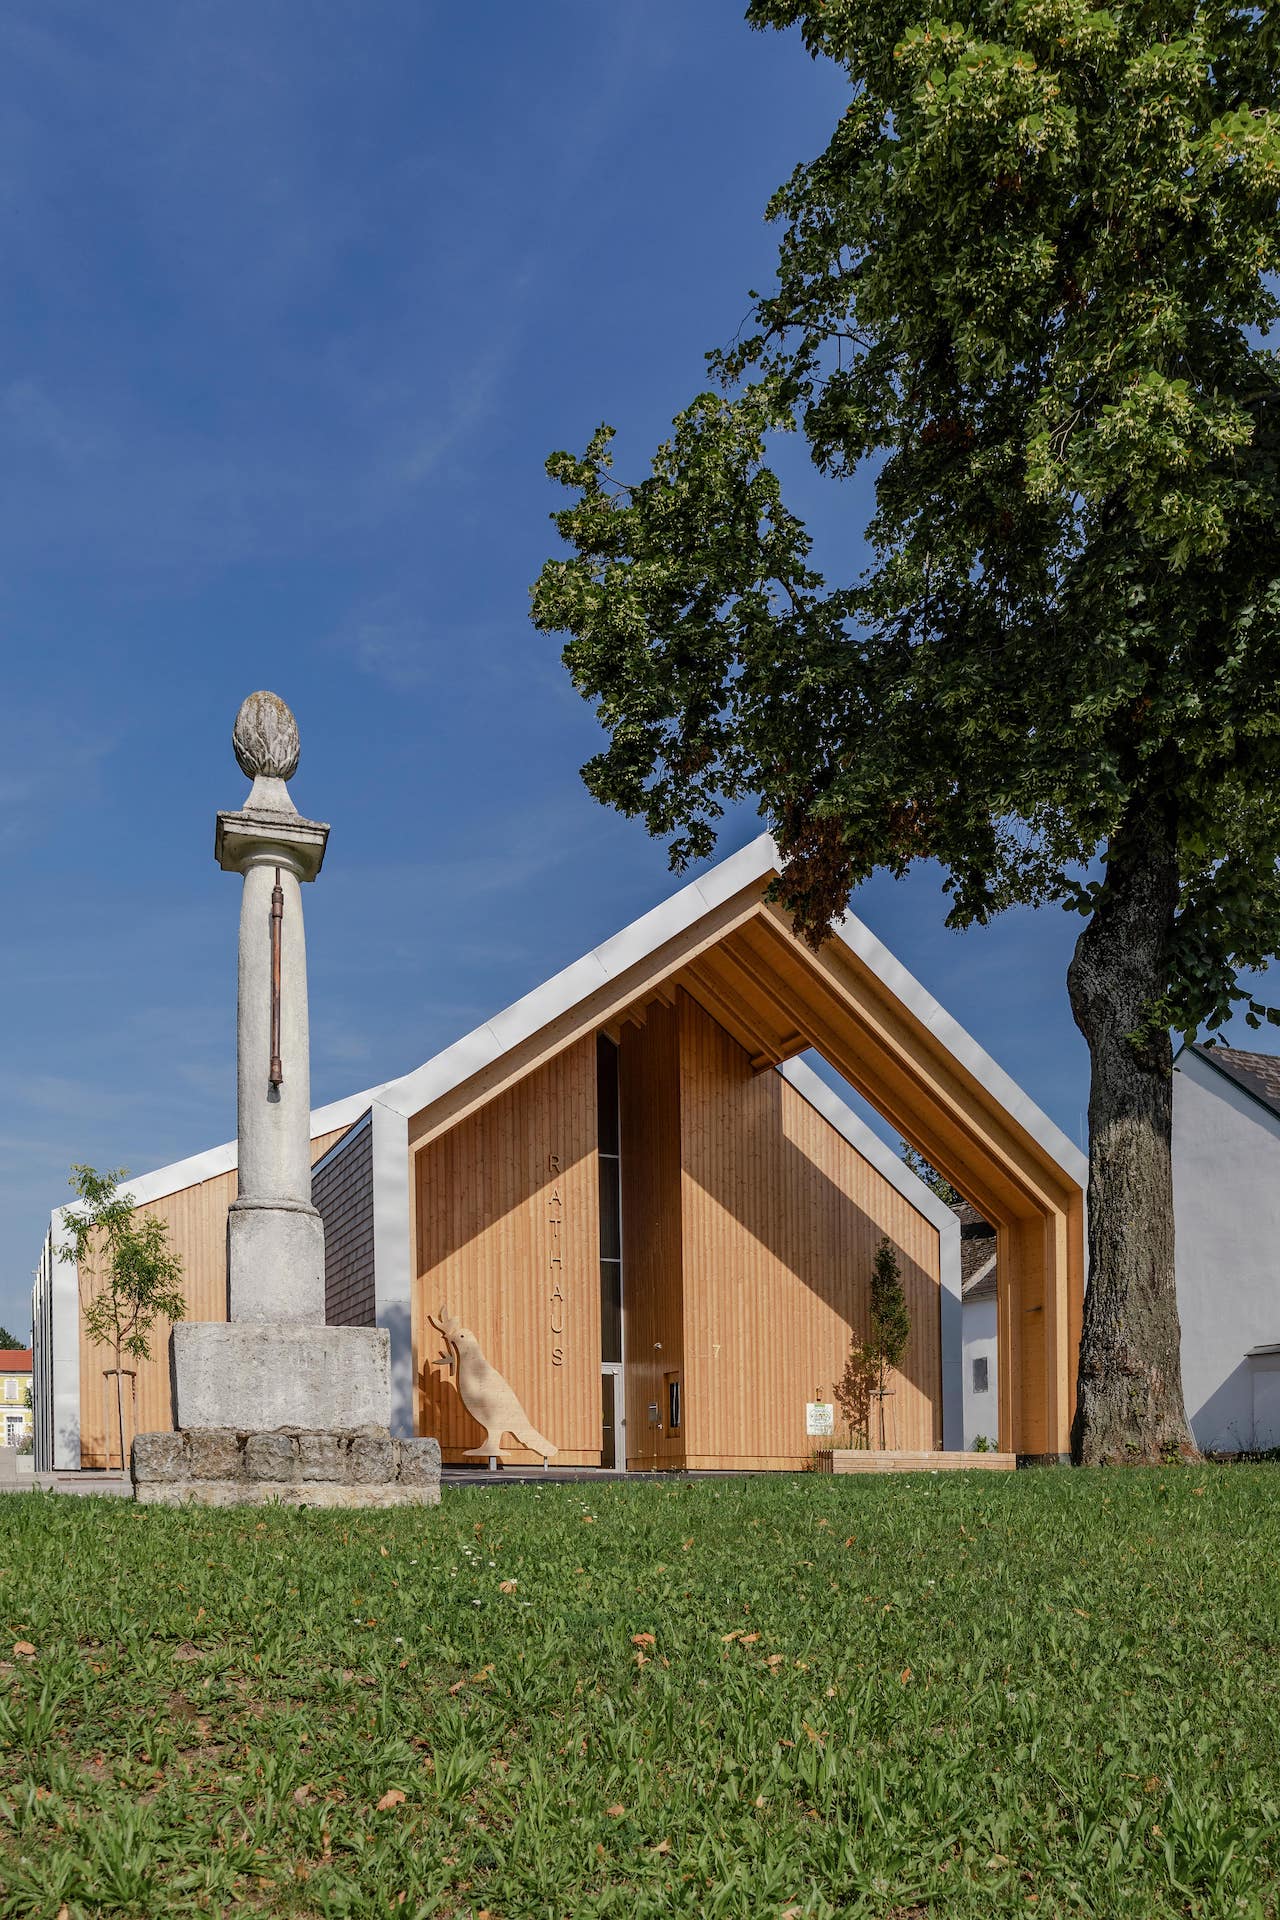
(262, 836)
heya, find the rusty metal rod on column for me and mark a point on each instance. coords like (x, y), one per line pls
(276, 1075)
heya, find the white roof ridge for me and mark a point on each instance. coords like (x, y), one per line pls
(408, 1094)
(961, 1044)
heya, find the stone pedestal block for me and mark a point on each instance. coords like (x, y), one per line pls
(286, 1243)
(225, 1468)
(261, 1377)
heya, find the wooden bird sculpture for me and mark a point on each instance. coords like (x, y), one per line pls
(486, 1395)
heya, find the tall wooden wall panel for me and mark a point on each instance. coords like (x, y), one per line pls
(781, 1220)
(197, 1221)
(500, 1197)
(652, 1273)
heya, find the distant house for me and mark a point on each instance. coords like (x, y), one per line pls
(1226, 1193)
(978, 1325)
(15, 1382)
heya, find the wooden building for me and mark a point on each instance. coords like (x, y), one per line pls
(656, 1218)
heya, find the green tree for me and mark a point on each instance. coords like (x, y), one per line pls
(139, 1272)
(1026, 284)
(935, 1181)
(9, 1343)
(870, 1362)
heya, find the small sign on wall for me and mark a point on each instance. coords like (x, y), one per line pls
(819, 1418)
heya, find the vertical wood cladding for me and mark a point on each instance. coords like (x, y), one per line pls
(780, 1219)
(342, 1189)
(509, 1240)
(653, 1272)
(197, 1222)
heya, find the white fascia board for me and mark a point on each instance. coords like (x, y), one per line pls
(886, 1163)
(860, 940)
(919, 1195)
(64, 1339)
(567, 989)
(392, 1265)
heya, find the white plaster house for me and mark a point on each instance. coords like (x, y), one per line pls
(978, 1330)
(1226, 1187)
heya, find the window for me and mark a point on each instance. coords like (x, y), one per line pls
(673, 1403)
(980, 1375)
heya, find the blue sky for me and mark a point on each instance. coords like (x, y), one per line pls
(299, 297)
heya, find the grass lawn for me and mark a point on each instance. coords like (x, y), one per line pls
(1046, 1693)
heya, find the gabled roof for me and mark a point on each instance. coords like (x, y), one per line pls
(677, 922)
(1257, 1073)
(15, 1360)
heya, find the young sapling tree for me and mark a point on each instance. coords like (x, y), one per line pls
(140, 1275)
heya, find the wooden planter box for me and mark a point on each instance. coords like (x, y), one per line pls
(873, 1460)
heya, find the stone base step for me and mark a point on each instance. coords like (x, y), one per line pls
(285, 1493)
(299, 1467)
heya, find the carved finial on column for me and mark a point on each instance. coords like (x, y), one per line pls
(265, 738)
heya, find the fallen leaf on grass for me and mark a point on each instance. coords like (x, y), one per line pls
(616, 1811)
(23, 1647)
(663, 1846)
(507, 1586)
(749, 1639)
(301, 1795)
(393, 1797)
(774, 1660)
(644, 1640)
(904, 1676)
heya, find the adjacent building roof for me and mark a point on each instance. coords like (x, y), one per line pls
(977, 1252)
(1257, 1073)
(16, 1360)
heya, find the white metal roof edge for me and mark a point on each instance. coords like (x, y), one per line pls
(487, 1043)
(811, 1087)
(890, 971)
(524, 1017)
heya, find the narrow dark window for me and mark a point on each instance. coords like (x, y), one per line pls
(980, 1375)
(610, 1201)
(673, 1404)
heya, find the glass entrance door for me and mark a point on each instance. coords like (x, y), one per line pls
(613, 1419)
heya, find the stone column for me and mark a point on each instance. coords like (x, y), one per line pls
(272, 1404)
(275, 1237)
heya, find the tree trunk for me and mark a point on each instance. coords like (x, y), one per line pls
(1129, 1397)
(124, 1465)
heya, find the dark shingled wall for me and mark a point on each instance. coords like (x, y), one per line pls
(342, 1190)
